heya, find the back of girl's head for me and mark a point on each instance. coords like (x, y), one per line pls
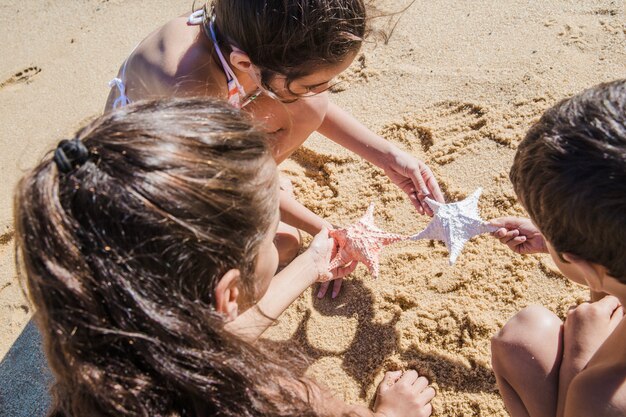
(291, 37)
(121, 255)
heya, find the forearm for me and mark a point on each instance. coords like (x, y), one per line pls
(341, 127)
(297, 215)
(285, 287)
(325, 403)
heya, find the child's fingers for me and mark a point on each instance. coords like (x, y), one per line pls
(346, 269)
(500, 233)
(416, 202)
(433, 186)
(618, 313)
(389, 379)
(323, 288)
(608, 304)
(515, 242)
(427, 395)
(409, 377)
(336, 287)
(421, 190)
(507, 222)
(420, 383)
(509, 236)
(418, 181)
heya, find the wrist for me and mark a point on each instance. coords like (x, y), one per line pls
(386, 155)
(308, 266)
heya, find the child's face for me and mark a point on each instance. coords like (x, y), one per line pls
(570, 271)
(315, 83)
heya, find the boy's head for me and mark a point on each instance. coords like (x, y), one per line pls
(570, 175)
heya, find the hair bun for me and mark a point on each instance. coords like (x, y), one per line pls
(70, 154)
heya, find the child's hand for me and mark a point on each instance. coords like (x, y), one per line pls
(414, 178)
(520, 235)
(404, 395)
(336, 282)
(586, 328)
(321, 251)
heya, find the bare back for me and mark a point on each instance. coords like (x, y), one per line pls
(177, 60)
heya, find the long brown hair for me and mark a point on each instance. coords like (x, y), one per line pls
(121, 254)
(292, 38)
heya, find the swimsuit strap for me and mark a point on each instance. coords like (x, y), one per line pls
(122, 99)
(235, 90)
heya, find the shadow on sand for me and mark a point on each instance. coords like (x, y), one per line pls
(375, 343)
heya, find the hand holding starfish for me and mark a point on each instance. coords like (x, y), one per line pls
(321, 251)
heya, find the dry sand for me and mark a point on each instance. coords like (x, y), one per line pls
(457, 85)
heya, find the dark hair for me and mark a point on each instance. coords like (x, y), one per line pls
(570, 175)
(290, 37)
(121, 255)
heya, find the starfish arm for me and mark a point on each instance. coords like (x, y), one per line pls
(374, 267)
(455, 247)
(391, 238)
(368, 217)
(432, 231)
(455, 241)
(434, 205)
(469, 206)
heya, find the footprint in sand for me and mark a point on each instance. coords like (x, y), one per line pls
(574, 36)
(21, 77)
(444, 130)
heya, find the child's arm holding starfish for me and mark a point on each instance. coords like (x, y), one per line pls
(412, 176)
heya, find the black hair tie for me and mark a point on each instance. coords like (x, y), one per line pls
(70, 154)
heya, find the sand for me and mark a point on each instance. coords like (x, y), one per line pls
(456, 84)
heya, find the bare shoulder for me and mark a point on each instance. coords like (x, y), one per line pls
(598, 391)
(310, 110)
(171, 60)
(180, 46)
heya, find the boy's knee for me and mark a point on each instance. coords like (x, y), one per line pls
(533, 326)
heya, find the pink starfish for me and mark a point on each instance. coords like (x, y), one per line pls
(362, 242)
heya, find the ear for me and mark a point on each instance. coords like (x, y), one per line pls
(240, 60)
(227, 294)
(591, 272)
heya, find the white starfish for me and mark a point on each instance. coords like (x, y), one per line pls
(455, 224)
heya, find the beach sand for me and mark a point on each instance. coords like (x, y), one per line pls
(454, 83)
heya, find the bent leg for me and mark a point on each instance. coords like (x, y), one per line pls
(288, 243)
(526, 357)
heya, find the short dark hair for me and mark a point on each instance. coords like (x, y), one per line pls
(570, 174)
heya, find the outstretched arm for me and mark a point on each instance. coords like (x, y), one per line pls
(288, 285)
(411, 175)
